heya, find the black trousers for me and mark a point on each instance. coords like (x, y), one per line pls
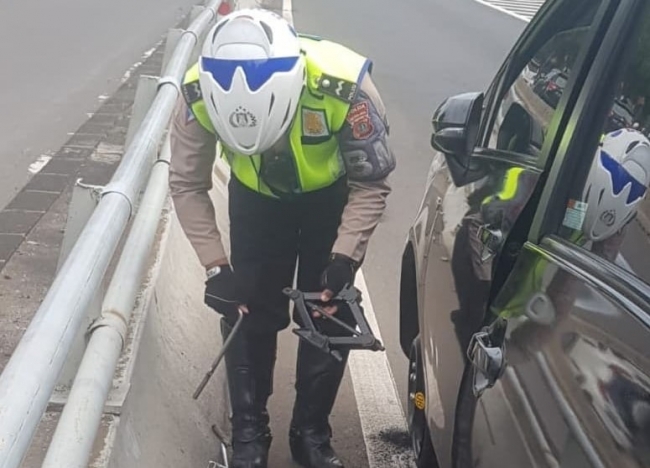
(270, 236)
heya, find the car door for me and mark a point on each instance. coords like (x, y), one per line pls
(574, 313)
(481, 206)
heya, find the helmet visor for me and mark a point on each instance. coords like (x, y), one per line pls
(257, 72)
(621, 178)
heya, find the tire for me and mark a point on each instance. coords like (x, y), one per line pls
(462, 451)
(408, 301)
(424, 453)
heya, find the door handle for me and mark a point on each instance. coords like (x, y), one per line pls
(486, 353)
(540, 309)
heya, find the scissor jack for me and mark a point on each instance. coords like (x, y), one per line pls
(361, 336)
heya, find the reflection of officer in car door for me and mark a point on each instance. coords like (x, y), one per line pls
(615, 187)
(613, 191)
(494, 206)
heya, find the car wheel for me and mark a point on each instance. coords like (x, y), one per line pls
(417, 421)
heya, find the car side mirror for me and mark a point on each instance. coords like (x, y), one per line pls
(455, 133)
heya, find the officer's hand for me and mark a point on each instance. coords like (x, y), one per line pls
(338, 275)
(221, 294)
(327, 296)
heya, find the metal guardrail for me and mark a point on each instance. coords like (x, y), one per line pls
(80, 420)
(28, 380)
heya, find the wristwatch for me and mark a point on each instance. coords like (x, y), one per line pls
(337, 256)
(212, 272)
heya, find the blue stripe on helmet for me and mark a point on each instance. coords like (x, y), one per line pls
(257, 72)
(621, 178)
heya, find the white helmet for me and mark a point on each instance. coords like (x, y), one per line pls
(251, 74)
(617, 182)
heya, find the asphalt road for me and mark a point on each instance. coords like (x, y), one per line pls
(423, 52)
(57, 58)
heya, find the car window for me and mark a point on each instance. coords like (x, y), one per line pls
(609, 213)
(540, 76)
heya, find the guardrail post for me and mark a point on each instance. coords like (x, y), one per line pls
(196, 11)
(145, 93)
(173, 36)
(82, 204)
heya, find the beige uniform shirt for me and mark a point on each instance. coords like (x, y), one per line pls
(193, 155)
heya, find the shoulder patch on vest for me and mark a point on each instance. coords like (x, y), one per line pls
(192, 92)
(359, 119)
(338, 88)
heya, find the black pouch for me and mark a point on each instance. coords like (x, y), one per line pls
(279, 173)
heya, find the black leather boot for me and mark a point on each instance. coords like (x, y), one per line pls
(250, 361)
(318, 376)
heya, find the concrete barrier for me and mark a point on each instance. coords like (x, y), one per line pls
(159, 423)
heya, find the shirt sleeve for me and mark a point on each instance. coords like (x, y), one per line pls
(193, 152)
(369, 161)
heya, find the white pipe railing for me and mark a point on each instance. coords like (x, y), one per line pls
(31, 374)
(75, 433)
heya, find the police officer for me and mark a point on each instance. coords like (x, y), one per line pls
(304, 131)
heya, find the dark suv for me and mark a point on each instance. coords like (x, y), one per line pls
(551, 88)
(620, 116)
(529, 340)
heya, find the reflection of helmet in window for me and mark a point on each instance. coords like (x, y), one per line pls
(617, 183)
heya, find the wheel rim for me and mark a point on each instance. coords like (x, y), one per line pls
(416, 414)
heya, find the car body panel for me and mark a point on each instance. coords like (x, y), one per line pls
(537, 412)
(446, 245)
(575, 393)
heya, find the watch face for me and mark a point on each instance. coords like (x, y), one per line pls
(213, 271)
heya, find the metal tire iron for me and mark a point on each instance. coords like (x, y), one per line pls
(223, 463)
(360, 337)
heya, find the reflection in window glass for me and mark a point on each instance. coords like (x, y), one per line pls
(529, 105)
(560, 81)
(610, 213)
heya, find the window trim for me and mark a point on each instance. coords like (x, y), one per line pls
(569, 97)
(497, 82)
(500, 156)
(625, 289)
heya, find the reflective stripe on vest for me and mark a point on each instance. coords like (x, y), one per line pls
(509, 188)
(319, 117)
